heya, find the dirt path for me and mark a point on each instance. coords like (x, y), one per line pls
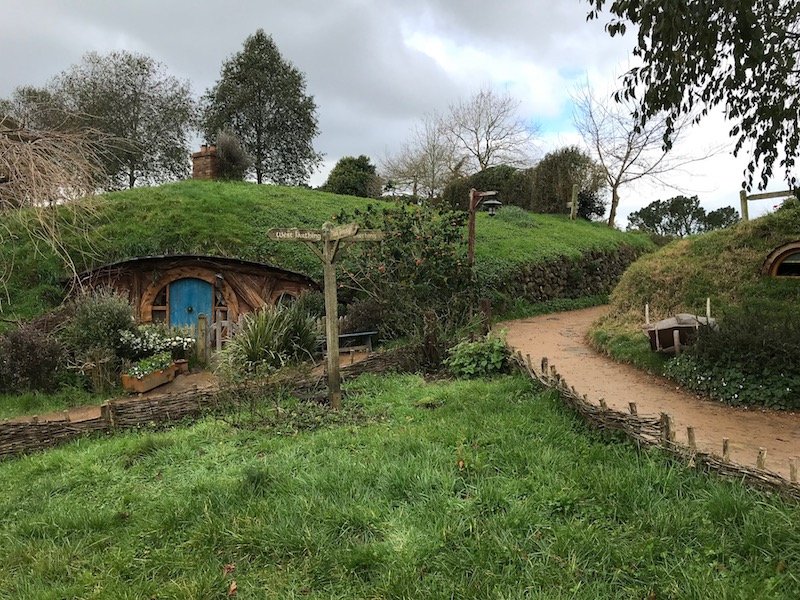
(182, 383)
(561, 338)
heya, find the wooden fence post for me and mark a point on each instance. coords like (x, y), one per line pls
(692, 442)
(666, 426)
(743, 201)
(202, 338)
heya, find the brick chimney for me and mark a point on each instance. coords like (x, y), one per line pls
(205, 164)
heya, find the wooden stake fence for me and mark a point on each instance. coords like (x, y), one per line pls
(660, 432)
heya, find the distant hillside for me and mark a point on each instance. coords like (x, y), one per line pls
(231, 219)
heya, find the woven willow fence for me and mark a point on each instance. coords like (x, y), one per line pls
(658, 431)
(24, 437)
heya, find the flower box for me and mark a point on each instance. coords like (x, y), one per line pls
(149, 381)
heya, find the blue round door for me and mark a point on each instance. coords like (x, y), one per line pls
(189, 298)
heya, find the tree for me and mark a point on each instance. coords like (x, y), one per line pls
(427, 162)
(514, 186)
(233, 160)
(741, 54)
(146, 113)
(354, 177)
(42, 173)
(625, 149)
(261, 98)
(721, 218)
(680, 216)
(555, 175)
(487, 131)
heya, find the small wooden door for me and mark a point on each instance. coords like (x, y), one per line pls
(189, 298)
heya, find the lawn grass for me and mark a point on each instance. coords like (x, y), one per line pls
(39, 403)
(451, 490)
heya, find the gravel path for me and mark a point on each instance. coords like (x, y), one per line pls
(562, 338)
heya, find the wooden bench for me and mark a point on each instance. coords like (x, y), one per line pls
(349, 342)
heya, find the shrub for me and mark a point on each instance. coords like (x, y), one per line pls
(753, 359)
(30, 360)
(419, 267)
(267, 340)
(98, 319)
(233, 160)
(483, 358)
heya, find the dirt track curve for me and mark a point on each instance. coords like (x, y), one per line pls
(562, 339)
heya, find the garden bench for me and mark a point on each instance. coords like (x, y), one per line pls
(350, 341)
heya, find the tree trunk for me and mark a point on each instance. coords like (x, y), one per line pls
(614, 202)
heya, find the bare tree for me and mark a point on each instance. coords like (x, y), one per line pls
(626, 149)
(487, 129)
(427, 162)
(42, 173)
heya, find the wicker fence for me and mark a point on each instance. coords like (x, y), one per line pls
(658, 431)
(24, 437)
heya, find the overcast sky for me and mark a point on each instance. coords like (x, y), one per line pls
(374, 67)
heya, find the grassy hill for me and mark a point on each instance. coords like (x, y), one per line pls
(232, 219)
(724, 265)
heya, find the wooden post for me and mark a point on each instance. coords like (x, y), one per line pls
(486, 315)
(793, 470)
(665, 429)
(726, 452)
(676, 341)
(331, 238)
(670, 428)
(647, 314)
(472, 207)
(743, 202)
(632, 408)
(329, 248)
(761, 460)
(692, 442)
(202, 338)
(708, 311)
(573, 209)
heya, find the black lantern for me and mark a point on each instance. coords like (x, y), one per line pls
(492, 205)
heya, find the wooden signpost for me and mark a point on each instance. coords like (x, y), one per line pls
(331, 238)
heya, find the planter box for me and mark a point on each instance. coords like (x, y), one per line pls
(148, 382)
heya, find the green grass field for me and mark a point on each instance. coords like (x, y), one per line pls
(232, 219)
(442, 490)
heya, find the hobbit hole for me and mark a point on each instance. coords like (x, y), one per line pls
(784, 261)
(176, 290)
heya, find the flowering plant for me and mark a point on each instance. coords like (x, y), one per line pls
(152, 339)
(151, 364)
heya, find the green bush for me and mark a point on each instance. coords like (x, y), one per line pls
(753, 359)
(30, 360)
(98, 319)
(486, 357)
(419, 267)
(268, 340)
